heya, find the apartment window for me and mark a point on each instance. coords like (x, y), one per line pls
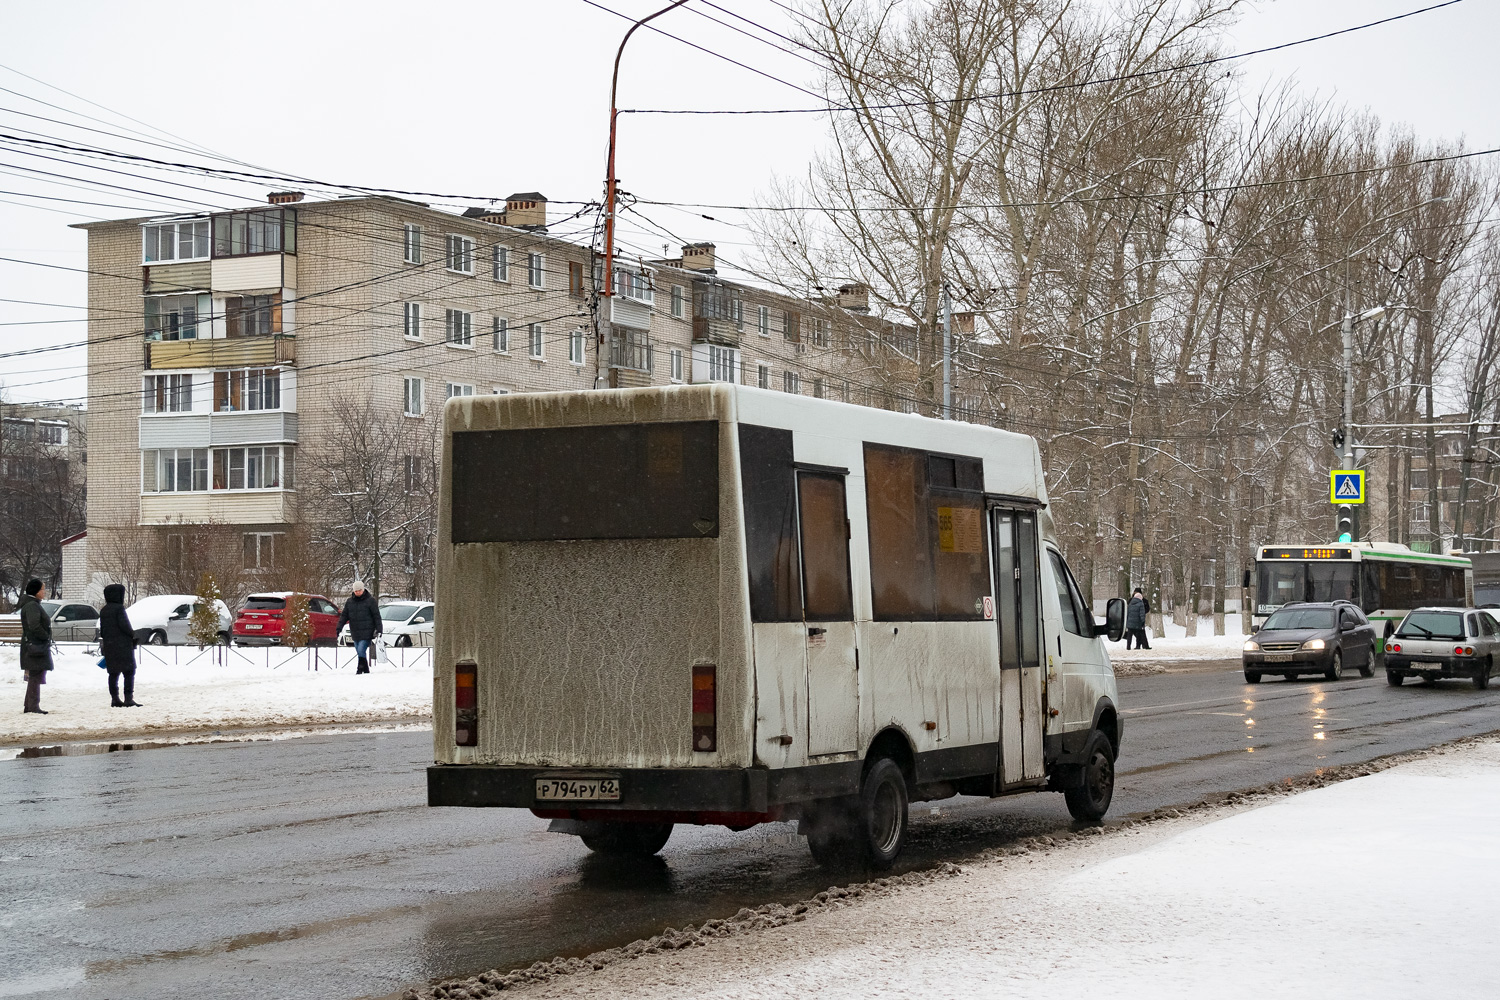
(535, 270)
(499, 390)
(272, 230)
(634, 285)
(411, 397)
(791, 382)
(413, 470)
(676, 365)
(820, 332)
(185, 240)
(51, 432)
(168, 394)
(17, 429)
(677, 301)
(817, 388)
(411, 320)
(763, 376)
(575, 347)
(461, 254)
(575, 278)
(459, 389)
(248, 389)
(630, 349)
(176, 317)
(791, 326)
(259, 467)
(460, 327)
(252, 315)
(500, 262)
(260, 551)
(174, 470)
(763, 320)
(411, 244)
(738, 308)
(722, 362)
(501, 335)
(534, 339)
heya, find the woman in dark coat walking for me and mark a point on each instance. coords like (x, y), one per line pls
(36, 643)
(362, 614)
(1135, 620)
(117, 643)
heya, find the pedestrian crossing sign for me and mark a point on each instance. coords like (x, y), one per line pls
(1346, 486)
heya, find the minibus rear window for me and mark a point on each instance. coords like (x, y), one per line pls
(563, 483)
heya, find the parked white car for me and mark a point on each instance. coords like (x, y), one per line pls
(71, 621)
(404, 623)
(164, 620)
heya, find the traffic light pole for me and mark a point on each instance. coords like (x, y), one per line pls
(1344, 514)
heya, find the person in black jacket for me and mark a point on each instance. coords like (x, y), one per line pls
(117, 644)
(362, 614)
(36, 643)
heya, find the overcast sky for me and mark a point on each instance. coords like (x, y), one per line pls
(484, 99)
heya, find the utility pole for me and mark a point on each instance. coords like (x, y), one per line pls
(1348, 452)
(611, 186)
(947, 354)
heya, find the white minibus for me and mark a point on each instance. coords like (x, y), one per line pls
(716, 604)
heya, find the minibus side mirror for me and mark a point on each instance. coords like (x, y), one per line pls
(1114, 620)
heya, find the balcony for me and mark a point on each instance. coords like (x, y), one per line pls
(243, 507)
(629, 349)
(231, 352)
(708, 330)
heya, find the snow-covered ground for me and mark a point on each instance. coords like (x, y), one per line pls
(1377, 887)
(1176, 646)
(183, 689)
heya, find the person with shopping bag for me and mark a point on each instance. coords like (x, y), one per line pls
(362, 614)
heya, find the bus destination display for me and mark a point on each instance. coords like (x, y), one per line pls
(1307, 553)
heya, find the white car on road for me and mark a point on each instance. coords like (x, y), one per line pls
(402, 623)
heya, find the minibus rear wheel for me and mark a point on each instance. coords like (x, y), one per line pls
(1089, 799)
(636, 840)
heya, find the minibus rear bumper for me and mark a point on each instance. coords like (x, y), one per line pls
(678, 790)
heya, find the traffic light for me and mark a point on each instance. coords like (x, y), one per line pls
(1348, 528)
(1338, 438)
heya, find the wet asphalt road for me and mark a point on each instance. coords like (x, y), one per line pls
(310, 868)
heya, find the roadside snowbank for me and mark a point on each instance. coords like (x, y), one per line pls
(1373, 887)
(183, 689)
(1176, 646)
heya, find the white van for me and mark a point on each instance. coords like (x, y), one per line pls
(715, 604)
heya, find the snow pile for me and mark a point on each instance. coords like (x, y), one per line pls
(183, 689)
(1177, 647)
(1373, 887)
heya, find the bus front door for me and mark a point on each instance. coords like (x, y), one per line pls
(828, 612)
(1018, 619)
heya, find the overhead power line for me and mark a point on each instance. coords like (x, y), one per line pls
(1027, 92)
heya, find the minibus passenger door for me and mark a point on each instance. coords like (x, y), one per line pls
(828, 612)
(1018, 620)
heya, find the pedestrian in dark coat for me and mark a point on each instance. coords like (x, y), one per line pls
(117, 644)
(362, 614)
(1135, 620)
(36, 644)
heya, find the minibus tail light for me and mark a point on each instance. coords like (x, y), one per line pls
(705, 708)
(466, 704)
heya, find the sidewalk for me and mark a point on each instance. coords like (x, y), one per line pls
(1386, 886)
(184, 692)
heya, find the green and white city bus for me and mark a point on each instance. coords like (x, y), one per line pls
(1384, 579)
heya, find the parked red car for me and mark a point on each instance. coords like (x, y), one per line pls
(261, 620)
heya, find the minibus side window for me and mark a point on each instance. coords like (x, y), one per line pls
(825, 548)
(900, 552)
(768, 479)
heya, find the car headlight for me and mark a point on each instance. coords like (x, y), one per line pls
(1313, 644)
(1251, 645)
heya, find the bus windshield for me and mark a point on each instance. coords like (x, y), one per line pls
(1283, 582)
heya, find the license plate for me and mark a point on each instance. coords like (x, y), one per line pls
(1427, 666)
(1278, 657)
(254, 626)
(578, 789)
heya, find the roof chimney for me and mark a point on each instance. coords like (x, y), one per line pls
(527, 210)
(494, 215)
(284, 197)
(855, 297)
(699, 257)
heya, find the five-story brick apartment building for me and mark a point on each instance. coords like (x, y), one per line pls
(230, 353)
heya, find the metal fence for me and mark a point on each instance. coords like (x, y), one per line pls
(281, 657)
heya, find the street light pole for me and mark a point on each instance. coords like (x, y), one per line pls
(1347, 452)
(947, 354)
(611, 185)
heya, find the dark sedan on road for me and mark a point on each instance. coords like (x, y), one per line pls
(1313, 638)
(1443, 642)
